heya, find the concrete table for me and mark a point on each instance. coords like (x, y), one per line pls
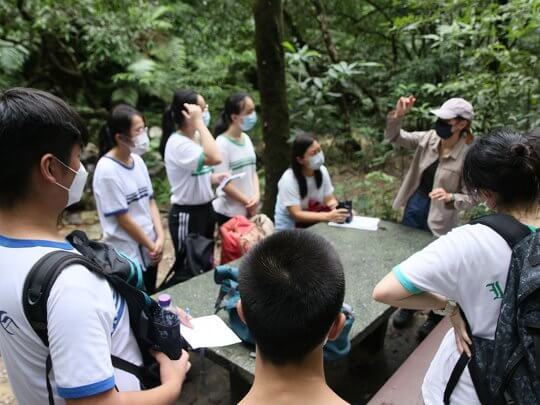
(367, 256)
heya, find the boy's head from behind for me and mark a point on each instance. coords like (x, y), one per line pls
(292, 288)
(39, 135)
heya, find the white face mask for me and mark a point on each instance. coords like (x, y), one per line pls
(316, 161)
(141, 144)
(206, 117)
(75, 191)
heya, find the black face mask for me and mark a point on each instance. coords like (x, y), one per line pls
(443, 129)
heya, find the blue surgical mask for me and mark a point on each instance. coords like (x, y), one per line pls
(249, 121)
(206, 117)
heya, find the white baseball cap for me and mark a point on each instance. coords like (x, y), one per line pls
(455, 107)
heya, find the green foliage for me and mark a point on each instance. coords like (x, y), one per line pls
(347, 62)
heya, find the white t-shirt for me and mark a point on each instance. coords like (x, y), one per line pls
(119, 189)
(289, 195)
(188, 176)
(87, 322)
(236, 157)
(470, 266)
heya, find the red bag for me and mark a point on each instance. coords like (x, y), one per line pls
(231, 233)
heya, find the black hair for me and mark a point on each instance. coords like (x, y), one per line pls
(300, 145)
(292, 288)
(173, 117)
(32, 124)
(234, 104)
(119, 122)
(507, 163)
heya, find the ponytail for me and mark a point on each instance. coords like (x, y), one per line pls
(233, 105)
(222, 125)
(106, 140)
(173, 117)
(167, 128)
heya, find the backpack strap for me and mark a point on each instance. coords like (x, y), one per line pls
(509, 228)
(480, 387)
(36, 291)
(38, 285)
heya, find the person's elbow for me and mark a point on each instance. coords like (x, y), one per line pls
(213, 160)
(382, 293)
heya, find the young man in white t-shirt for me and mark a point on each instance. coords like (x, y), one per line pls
(41, 174)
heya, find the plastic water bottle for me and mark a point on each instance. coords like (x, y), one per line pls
(165, 302)
(168, 328)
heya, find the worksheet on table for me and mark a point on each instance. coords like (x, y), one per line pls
(358, 222)
(208, 331)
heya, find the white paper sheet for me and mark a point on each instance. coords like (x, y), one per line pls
(228, 179)
(358, 222)
(208, 331)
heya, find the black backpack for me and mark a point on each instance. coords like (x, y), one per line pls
(506, 370)
(196, 257)
(152, 327)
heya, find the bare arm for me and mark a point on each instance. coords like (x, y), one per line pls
(157, 253)
(164, 394)
(235, 194)
(212, 155)
(331, 201)
(172, 374)
(127, 223)
(390, 291)
(309, 217)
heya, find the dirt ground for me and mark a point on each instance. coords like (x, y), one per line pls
(356, 379)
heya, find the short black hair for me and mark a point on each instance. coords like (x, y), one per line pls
(507, 163)
(292, 288)
(33, 123)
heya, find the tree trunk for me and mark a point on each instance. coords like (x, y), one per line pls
(271, 76)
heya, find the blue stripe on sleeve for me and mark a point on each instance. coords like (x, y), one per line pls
(405, 282)
(117, 212)
(86, 390)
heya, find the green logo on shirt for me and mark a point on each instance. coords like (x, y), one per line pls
(496, 289)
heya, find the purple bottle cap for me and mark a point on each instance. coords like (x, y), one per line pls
(164, 300)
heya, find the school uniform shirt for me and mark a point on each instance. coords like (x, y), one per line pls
(188, 176)
(87, 322)
(118, 189)
(236, 157)
(289, 195)
(470, 266)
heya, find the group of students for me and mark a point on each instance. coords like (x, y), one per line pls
(195, 161)
(41, 139)
(40, 174)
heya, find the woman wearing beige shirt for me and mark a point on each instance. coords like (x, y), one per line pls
(433, 190)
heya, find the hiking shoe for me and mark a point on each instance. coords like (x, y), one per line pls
(430, 323)
(403, 318)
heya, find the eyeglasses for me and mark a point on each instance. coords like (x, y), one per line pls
(141, 130)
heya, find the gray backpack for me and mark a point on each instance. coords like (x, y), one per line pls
(506, 370)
